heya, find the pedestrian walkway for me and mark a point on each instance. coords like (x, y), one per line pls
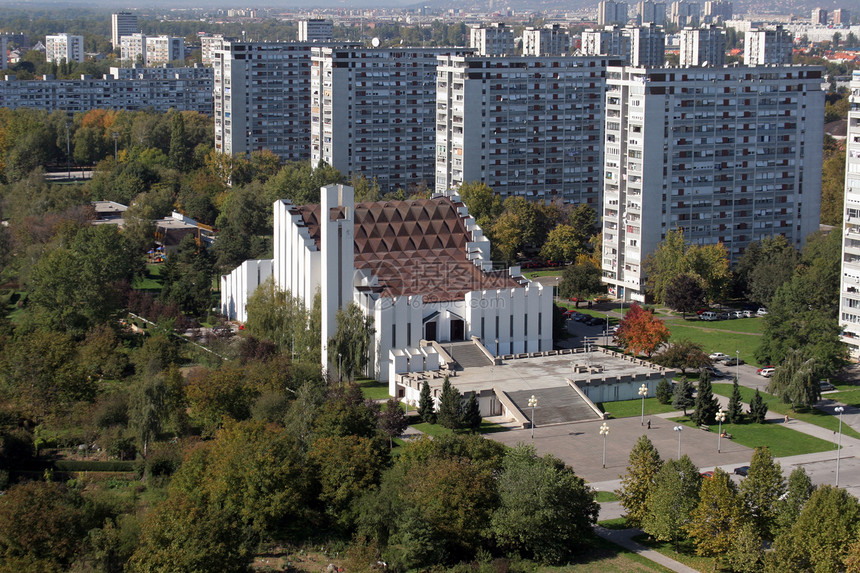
(623, 537)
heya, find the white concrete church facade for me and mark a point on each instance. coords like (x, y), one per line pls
(421, 268)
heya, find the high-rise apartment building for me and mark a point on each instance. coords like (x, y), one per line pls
(636, 45)
(373, 112)
(717, 11)
(64, 47)
(649, 12)
(4, 46)
(262, 98)
(729, 155)
(164, 49)
(133, 49)
(209, 44)
(705, 46)
(683, 13)
(525, 126)
(551, 40)
(315, 30)
(647, 45)
(611, 12)
(819, 17)
(497, 39)
(849, 300)
(122, 24)
(610, 41)
(842, 17)
(763, 47)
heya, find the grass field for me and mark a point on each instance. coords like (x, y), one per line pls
(436, 430)
(747, 325)
(782, 441)
(549, 273)
(774, 404)
(632, 408)
(152, 279)
(600, 496)
(719, 341)
(849, 395)
(686, 554)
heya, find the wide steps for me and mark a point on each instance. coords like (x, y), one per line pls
(467, 354)
(555, 405)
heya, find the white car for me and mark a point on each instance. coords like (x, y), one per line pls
(739, 314)
(762, 311)
(749, 313)
(718, 356)
(767, 372)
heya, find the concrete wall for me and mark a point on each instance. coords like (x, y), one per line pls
(241, 284)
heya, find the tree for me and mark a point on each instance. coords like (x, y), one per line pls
(642, 467)
(717, 519)
(775, 265)
(664, 391)
(641, 332)
(562, 244)
(450, 407)
(349, 347)
(665, 263)
(706, 402)
(683, 354)
(282, 319)
(672, 499)
(179, 154)
(507, 235)
(148, 409)
(682, 395)
(789, 506)
(580, 280)
(685, 294)
(820, 538)
(794, 381)
(545, 509)
(833, 189)
(711, 263)
(761, 490)
(735, 413)
(215, 396)
(392, 420)
(472, 413)
(484, 205)
(746, 553)
(425, 405)
(758, 409)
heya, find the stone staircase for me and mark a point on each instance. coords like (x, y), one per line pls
(555, 405)
(466, 354)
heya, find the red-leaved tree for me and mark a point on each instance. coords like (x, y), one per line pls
(640, 332)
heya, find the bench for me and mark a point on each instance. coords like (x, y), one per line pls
(705, 427)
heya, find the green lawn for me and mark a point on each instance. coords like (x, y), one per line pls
(686, 554)
(774, 404)
(550, 273)
(150, 281)
(616, 523)
(782, 441)
(746, 325)
(850, 395)
(600, 496)
(436, 430)
(602, 556)
(373, 390)
(715, 341)
(633, 408)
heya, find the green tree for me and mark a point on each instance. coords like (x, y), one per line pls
(798, 490)
(682, 395)
(706, 403)
(545, 509)
(775, 266)
(425, 405)
(685, 293)
(350, 345)
(821, 537)
(643, 465)
(735, 413)
(833, 189)
(216, 396)
(179, 153)
(345, 413)
(484, 205)
(794, 381)
(580, 280)
(746, 555)
(148, 409)
(672, 499)
(717, 519)
(761, 490)
(711, 263)
(472, 413)
(664, 391)
(392, 420)
(758, 408)
(562, 244)
(282, 319)
(450, 406)
(507, 236)
(665, 263)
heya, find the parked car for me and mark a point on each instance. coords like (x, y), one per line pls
(763, 367)
(731, 361)
(742, 471)
(708, 474)
(708, 316)
(739, 314)
(749, 313)
(826, 386)
(581, 317)
(724, 316)
(767, 372)
(570, 313)
(761, 312)
(717, 356)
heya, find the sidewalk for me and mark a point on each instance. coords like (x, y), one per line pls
(623, 537)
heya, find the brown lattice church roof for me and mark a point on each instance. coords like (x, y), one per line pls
(414, 247)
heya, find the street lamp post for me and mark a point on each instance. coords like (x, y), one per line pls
(533, 404)
(679, 429)
(838, 410)
(643, 391)
(339, 373)
(68, 151)
(604, 431)
(721, 417)
(738, 366)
